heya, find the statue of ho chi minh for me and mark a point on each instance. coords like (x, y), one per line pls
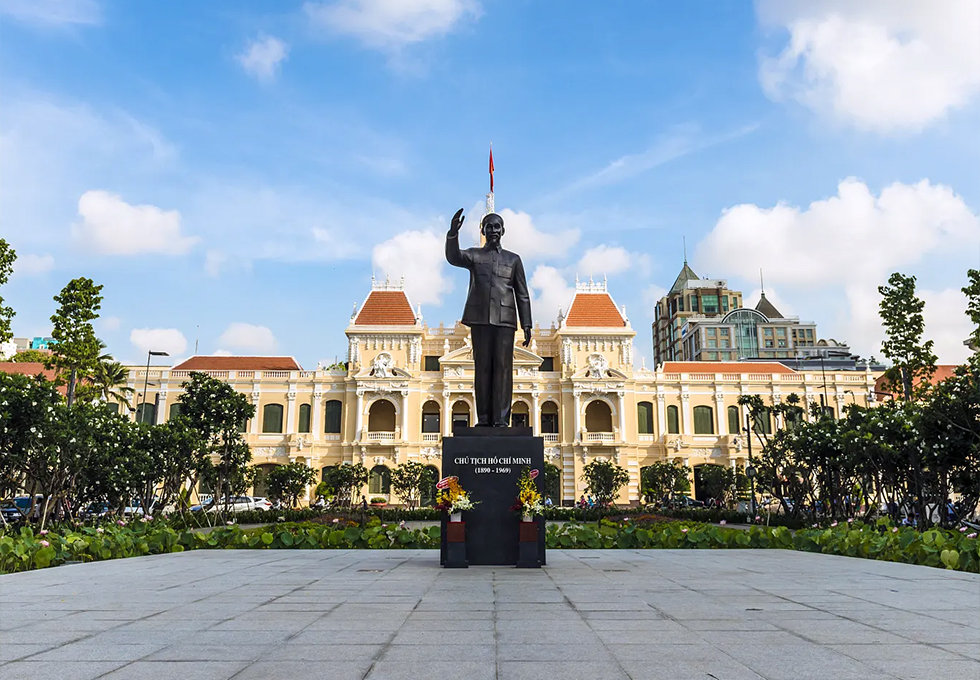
(497, 297)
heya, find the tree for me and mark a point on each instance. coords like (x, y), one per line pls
(410, 479)
(346, 480)
(901, 315)
(217, 413)
(718, 482)
(664, 477)
(77, 348)
(7, 257)
(287, 482)
(972, 293)
(31, 356)
(604, 480)
(552, 482)
(109, 382)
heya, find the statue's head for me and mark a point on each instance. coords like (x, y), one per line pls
(492, 228)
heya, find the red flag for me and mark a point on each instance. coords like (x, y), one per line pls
(491, 169)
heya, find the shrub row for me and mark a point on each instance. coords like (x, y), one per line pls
(25, 549)
(384, 514)
(879, 541)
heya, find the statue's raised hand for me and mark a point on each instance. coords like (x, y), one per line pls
(457, 224)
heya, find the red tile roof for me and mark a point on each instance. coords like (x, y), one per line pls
(31, 368)
(725, 367)
(219, 363)
(386, 308)
(943, 371)
(594, 310)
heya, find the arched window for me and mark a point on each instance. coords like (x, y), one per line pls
(304, 418)
(549, 418)
(673, 422)
(519, 416)
(430, 417)
(381, 416)
(272, 418)
(461, 414)
(146, 413)
(644, 417)
(598, 417)
(734, 424)
(380, 480)
(175, 410)
(331, 416)
(704, 420)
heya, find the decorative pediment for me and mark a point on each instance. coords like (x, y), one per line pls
(463, 357)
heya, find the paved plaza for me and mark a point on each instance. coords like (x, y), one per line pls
(589, 615)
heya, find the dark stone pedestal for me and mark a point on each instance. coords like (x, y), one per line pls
(527, 547)
(454, 534)
(488, 462)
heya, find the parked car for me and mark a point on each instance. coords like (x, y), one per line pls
(94, 510)
(682, 501)
(261, 503)
(15, 509)
(237, 504)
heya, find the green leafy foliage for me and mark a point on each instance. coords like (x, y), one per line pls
(7, 257)
(77, 350)
(30, 356)
(345, 480)
(603, 480)
(287, 482)
(901, 315)
(663, 477)
(410, 479)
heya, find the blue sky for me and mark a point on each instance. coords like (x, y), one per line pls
(235, 172)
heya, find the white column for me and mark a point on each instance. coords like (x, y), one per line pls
(290, 412)
(661, 414)
(404, 428)
(317, 425)
(577, 418)
(256, 395)
(686, 412)
(161, 406)
(447, 416)
(719, 413)
(622, 417)
(535, 414)
(359, 417)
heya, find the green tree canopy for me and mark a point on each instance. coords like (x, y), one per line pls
(604, 479)
(409, 480)
(287, 482)
(7, 257)
(77, 349)
(901, 315)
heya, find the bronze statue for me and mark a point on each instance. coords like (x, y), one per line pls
(497, 297)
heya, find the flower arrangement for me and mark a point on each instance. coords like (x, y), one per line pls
(454, 498)
(528, 497)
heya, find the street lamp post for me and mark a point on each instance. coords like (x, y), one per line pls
(141, 413)
(750, 471)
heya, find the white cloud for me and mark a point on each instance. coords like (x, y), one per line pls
(110, 323)
(604, 260)
(33, 265)
(946, 323)
(881, 65)
(390, 24)
(262, 57)
(222, 353)
(53, 12)
(844, 247)
(168, 340)
(419, 256)
(213, 261)
(522, 236)
(111, 226)
(248, 338)
(549, 293)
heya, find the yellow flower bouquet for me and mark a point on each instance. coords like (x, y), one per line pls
(454, 498)
(528, 497)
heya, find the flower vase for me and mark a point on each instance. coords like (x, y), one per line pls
(456, 517)
(527, 518)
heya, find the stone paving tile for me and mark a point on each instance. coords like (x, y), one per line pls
(731, 615)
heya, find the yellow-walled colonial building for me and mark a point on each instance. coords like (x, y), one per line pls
(406, 385)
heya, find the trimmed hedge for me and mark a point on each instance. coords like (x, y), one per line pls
(879, 541)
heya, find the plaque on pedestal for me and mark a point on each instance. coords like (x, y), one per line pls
(488, 462)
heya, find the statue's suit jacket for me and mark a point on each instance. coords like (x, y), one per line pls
(496, 283)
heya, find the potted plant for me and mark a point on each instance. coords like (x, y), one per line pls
(378, 501)
(528, 503)
(454, 499)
